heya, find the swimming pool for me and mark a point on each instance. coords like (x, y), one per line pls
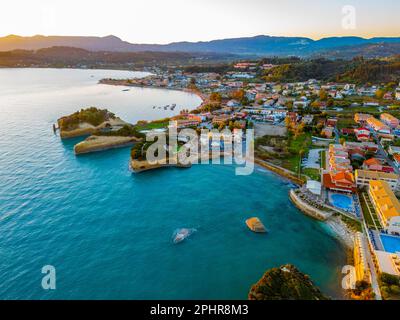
(341, 201)
(390, 243)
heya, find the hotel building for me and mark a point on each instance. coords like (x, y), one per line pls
(340, 176)
(363, 178)
(361, 118)
(378, 126)
(390, 120)
(385, 202)
(388, 262)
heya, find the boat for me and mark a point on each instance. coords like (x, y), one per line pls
(255, 225)
(126, 89)
(182, 234)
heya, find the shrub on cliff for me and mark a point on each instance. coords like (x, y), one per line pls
(90, 115)
(285, 283)
(125, 131)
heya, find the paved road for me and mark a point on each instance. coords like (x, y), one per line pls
(337, 135)
(382, 153)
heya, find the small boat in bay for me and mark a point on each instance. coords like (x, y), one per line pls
(182, 234)
(126, 89)
(255, 225)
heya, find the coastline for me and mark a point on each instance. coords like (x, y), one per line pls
(99, 166)
(341, 231)
(102, 143)
(333, 224)
(278, 170)
(124, 83)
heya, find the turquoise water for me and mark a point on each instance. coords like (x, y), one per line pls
(341, 201)
(391, 243)
(108, 231)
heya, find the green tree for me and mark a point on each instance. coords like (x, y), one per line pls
(380, 93)
(215, 96)
(323, 95)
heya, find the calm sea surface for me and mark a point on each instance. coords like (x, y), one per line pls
(108, 231)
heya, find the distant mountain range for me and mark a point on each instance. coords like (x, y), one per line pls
(258, 45)
(60, 57)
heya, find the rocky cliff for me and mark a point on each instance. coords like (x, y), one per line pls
(285, 283)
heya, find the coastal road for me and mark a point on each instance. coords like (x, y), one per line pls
(337, 135)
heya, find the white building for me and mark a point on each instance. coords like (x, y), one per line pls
(394, 226)
(397, 95)
(363, 177)
(314, 187)
(388, 262)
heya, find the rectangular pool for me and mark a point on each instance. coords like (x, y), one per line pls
(342, 201)
(390, 243)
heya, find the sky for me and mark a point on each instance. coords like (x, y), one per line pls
(164, 21)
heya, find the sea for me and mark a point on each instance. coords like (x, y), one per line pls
(107, 232)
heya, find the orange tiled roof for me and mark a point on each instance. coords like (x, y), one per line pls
(384, 199)
(397, 157)
(372, 161)
(344, 177)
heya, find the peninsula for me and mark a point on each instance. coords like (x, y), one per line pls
(105, 130)
(285, 283)
(331, 127)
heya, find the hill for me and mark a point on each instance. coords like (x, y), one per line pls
(357, 70)
(76, 57)
(259, 45)
(374, 50)
(285, 283)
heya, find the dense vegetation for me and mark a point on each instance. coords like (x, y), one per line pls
(285, 283)
(75, 57)
(218, 68)
(90, 115)
(280, 60)
(372, 71)
(138, 151)
(321, 69)
(358, 70)
(369, 51)
(390, 286)
(125, 131)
